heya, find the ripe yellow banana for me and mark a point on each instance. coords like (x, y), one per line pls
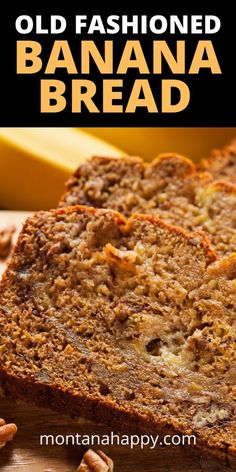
(35, 162)
(194, 143)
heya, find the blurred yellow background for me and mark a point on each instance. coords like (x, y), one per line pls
(194, 143)
(35, 162)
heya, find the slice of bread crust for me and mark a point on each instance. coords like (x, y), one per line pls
(170, 188)
(222, 162)
(129, 322)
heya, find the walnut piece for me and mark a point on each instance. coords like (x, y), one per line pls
(212, 415)
(96, 462)
(7, 432)
(124, 260)
(6, 241)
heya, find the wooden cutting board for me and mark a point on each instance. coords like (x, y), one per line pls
(25, 454)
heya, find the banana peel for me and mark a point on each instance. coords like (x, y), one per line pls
(35, 162)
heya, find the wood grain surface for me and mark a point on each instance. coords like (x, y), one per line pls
(25, 454)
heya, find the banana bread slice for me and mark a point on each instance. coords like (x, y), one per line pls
(126, 322)
(169, 188)
(222, 162)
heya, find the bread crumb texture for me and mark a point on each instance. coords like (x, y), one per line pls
(170, 188)
(222, 162)
(130, 322)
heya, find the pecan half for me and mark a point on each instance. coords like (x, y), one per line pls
(7, 432)
(96, 462)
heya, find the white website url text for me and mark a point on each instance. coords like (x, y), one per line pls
(114, 439)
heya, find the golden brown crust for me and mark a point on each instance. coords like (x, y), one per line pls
(80, 209)
(222, 162)
(184, 165)
(169, 188)
(201, 237)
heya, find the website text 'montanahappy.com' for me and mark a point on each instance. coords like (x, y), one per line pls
(113, 439)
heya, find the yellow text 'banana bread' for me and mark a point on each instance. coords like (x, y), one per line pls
(127, 322)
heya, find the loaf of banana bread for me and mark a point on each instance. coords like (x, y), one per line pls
(222, 163)
(129, 322)
(169, 188)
